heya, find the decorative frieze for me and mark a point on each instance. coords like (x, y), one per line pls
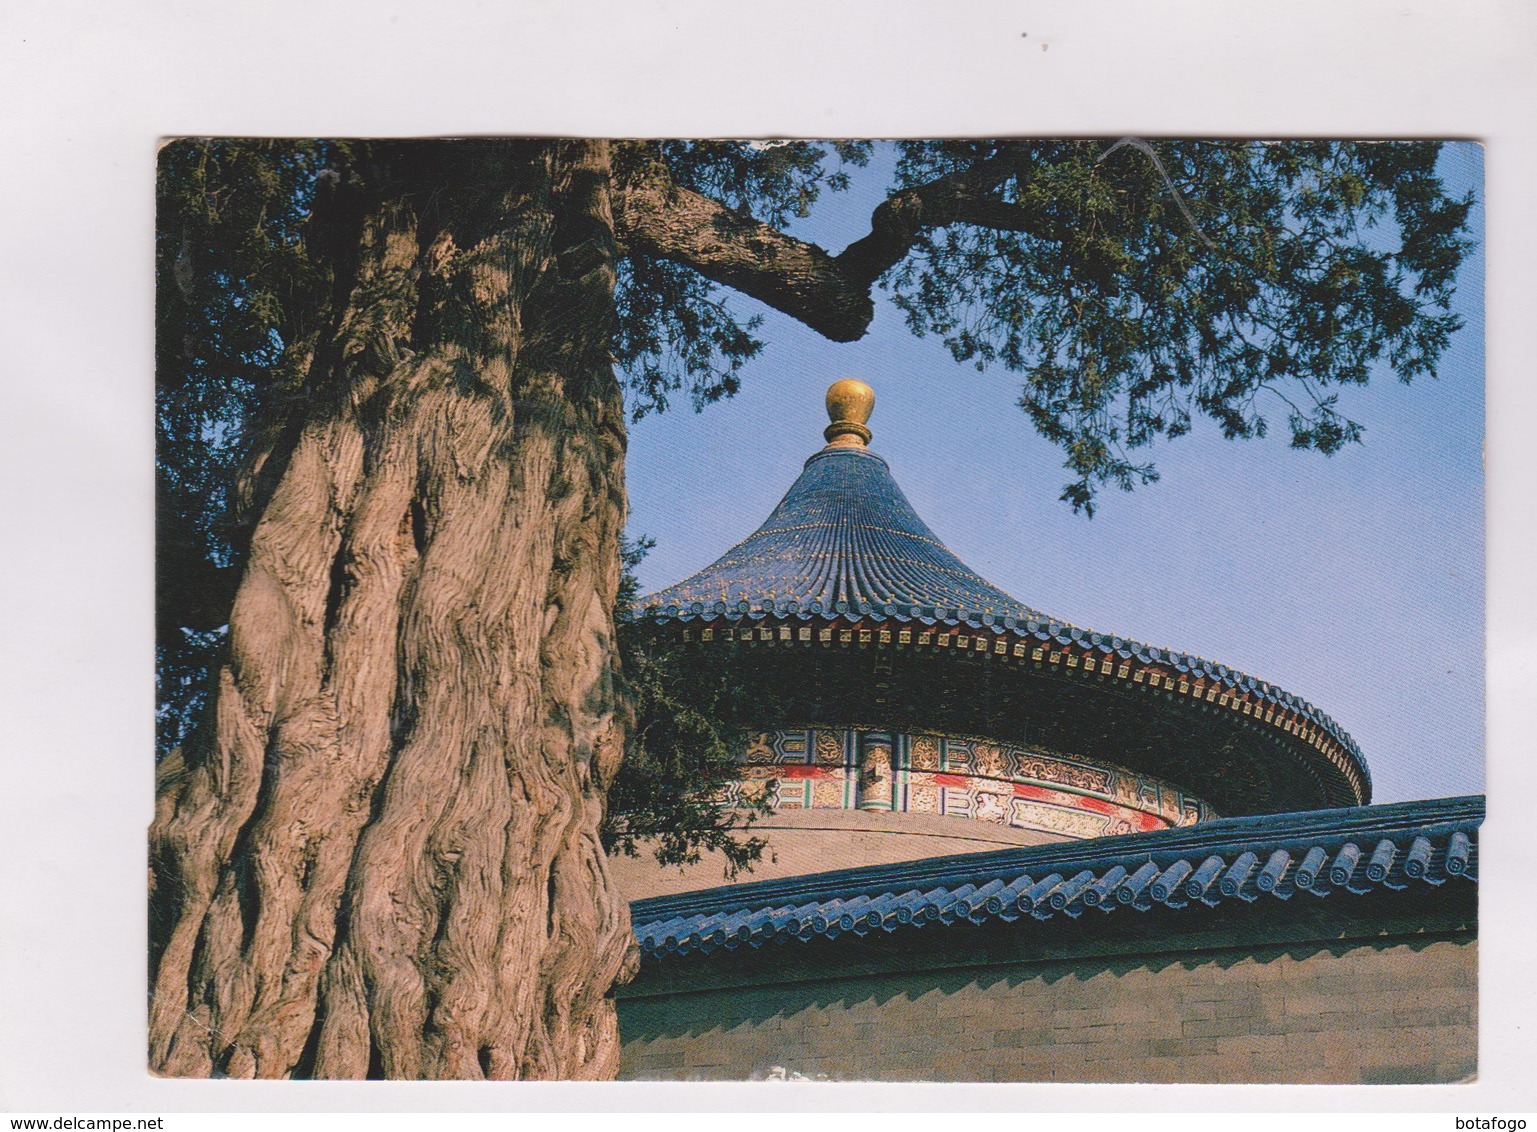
(963, 777)
(1080, 660)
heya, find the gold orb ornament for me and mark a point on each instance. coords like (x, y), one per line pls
(849, 405)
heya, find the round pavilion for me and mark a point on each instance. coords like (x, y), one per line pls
(914, 709)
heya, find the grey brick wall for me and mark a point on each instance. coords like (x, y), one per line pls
(1364, 1011)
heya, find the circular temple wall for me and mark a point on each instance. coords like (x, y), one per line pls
(846, 797)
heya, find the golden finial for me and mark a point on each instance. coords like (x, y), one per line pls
(849, 404)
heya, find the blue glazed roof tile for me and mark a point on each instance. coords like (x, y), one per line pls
(844, 540)
(1323, 854)
(845, 543)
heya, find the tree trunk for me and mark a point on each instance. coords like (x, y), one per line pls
(381, 856)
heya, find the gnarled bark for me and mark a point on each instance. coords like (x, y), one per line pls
(381, 857)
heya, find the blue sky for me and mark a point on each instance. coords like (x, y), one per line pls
(1355, 581)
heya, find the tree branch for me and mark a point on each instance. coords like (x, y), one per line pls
(656, 216)
(958, 197)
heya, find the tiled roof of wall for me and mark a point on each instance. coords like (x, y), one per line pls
(1324, 854)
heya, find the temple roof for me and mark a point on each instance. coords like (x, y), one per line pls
(844, 539)
(844, 544)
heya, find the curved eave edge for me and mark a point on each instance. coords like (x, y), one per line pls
(1059, 643)
(1420, 845)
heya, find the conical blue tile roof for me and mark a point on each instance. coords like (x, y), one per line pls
(845, 544)
(843, 540)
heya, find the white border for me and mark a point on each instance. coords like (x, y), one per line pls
(87, 89)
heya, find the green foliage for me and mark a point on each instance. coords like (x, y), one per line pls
(1143, 285)
(237, 282)
(678, 331)
(233, 282)
(1154, 282)
(685, 735)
